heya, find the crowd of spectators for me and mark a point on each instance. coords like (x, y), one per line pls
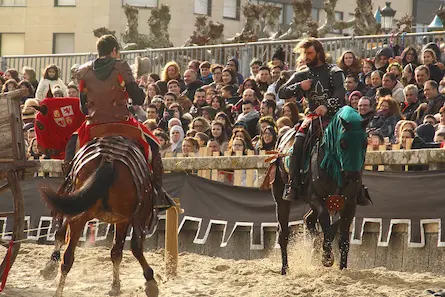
(213, 105)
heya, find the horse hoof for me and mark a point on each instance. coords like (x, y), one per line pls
(283, 270)
(151, 289)
(50, 270)
(328, 260)
(114, 292)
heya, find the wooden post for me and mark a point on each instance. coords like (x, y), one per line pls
(171, 239)
(250, 172)
(382, 147)
(369, 149)
(238, 174)
(215, 171)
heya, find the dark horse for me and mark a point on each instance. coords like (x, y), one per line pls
(333, 181)
(108, 180)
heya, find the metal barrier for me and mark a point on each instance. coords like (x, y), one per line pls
(364, 46)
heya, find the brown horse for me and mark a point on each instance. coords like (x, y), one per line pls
(108, 180)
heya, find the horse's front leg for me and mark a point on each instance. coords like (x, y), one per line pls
(282, 212)
(324, 219)
(347, 216)
(51, 267)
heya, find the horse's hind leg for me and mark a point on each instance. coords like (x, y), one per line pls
(116, 256)
(51, 267)
(75, 230)
(137, 247)
(282, 211)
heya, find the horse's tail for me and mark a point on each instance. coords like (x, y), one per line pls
(95, 188)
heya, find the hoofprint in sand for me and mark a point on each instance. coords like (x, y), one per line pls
(206, 276)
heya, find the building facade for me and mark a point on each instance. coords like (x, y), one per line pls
(66, 26)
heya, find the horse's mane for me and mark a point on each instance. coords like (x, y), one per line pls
(331, 140)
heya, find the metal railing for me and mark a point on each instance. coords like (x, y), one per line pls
(364, 46)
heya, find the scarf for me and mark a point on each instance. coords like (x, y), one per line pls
(181, 133)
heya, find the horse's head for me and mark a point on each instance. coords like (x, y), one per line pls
(344, 143)
(352, 143)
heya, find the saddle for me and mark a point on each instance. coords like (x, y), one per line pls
(114, 129)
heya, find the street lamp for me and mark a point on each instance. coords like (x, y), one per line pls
(387, 17)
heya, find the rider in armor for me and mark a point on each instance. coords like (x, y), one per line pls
(105, 86)
(322, 85)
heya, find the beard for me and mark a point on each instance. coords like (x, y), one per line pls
(312, 63)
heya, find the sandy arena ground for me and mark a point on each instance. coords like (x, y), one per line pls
(206, 276)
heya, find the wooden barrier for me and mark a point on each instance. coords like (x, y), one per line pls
(180, 164)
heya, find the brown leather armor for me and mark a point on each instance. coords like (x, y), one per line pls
(106, 98)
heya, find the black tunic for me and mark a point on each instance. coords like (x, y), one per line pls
(327, 87)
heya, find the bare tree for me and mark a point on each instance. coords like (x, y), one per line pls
(206, 32)
(363, 22)
(99, 32)
(251, 29)
(131, 37)
(158, 23)
(301, 21)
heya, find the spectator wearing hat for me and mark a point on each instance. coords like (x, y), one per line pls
(353, 99)
(10, 85)
(29, 112)
(279, 57)
(382, 57)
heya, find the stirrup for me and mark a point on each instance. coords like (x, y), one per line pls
(164, 201)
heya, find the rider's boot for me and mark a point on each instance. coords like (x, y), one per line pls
(163, 200)
(363, 197)
(70, 151)
(293, 190)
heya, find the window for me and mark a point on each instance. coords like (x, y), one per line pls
(231, 9)
(141, 3)
(12, 44)
(63, 43)
(338, 17)
(315, 15)
(64, 2)
(12, 2)
(289, 14)
(203, 7)
(349, 31)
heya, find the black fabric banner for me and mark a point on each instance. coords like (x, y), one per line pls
(414, 198)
